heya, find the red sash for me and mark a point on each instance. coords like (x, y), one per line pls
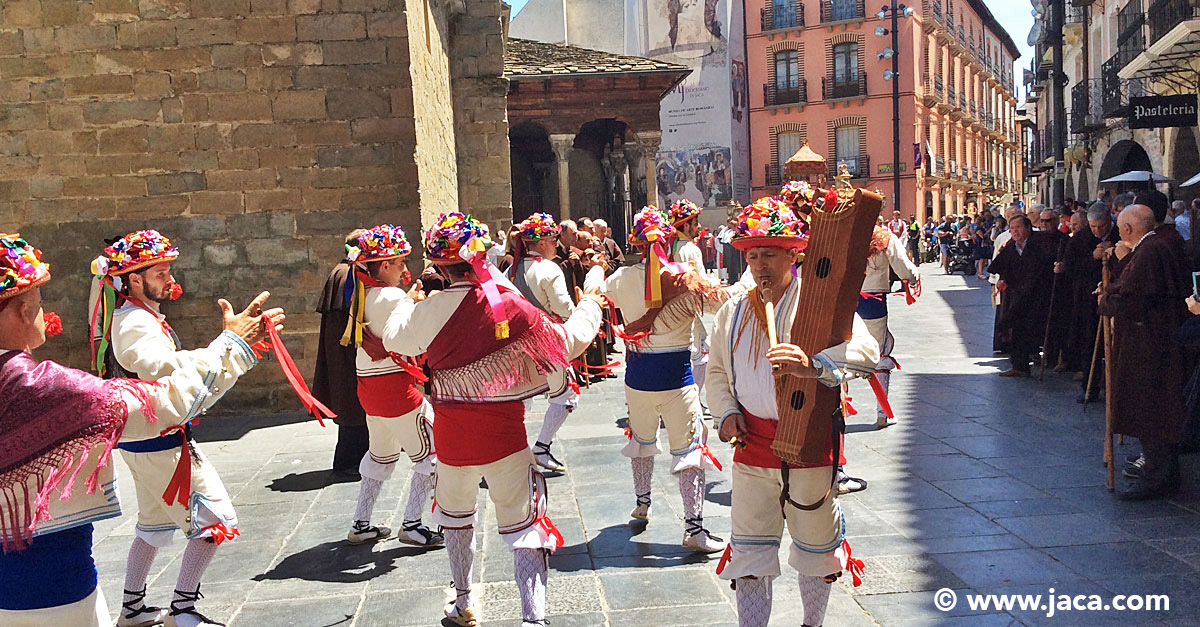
(757, 451)
(389, 395)
(473, 434)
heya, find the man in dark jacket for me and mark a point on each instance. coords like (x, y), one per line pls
(1147, 305)
(335, 381)
(1026, 268)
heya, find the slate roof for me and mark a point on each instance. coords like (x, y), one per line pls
(534, 59)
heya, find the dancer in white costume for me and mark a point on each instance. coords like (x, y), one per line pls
(399, 420)
(886, 256)
(685, 218)
(176, 486)
(541, 281)
(741, 393)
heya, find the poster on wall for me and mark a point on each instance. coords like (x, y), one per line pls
(705, 120)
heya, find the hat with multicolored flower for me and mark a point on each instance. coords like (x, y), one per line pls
(21, 267)
(798, 194)
(683, 210)
(452, 231)
(650, 225)
(537, 226)
(386, 241)
(137, 250)
(770, 221)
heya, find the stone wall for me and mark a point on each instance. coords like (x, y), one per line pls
(254, 133)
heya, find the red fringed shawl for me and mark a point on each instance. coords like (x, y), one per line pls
(51, 416)
(470, 364)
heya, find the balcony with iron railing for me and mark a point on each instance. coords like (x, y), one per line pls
(788, 17)
(774, 176)
(950, 23)
(842, 10)
(859, 166)
(1165, 15)
(962, 35)
(953, 97)
(962, 102)
(1115, 92)
(1076, 14)
(937, 11)
(790, 92)
(854, 88)
(938, 85)
(939, 166)
(1086, 107)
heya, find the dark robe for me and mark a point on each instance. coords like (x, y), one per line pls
(1027, 278)
(1080, 277)
(1060, 307)
(335, 382)
(574, 272)
(1147, 305)
(614, 257)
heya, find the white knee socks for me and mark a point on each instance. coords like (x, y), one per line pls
(460, 546)
(529, 568)
(691, 489)
(885, 378)
(556, 415)
(137, 570)
(814, 593)
(754, 601)
(368, 493)
(196, 558)
(643, 472)
(418, 496)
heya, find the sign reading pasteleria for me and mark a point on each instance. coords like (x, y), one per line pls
(1162, 111)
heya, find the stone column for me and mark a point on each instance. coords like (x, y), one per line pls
(648, 143)
(562, 146)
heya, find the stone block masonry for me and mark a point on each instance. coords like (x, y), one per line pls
(254, 133)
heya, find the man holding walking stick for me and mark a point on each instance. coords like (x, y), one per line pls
(1025, 265)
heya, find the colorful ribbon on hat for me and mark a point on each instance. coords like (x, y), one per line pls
(656, 261)
(102, 312)
(475, 253)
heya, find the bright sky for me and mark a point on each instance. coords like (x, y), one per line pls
(517, 5)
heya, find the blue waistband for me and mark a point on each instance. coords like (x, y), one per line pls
(872, 308)
(56, 569)
(657, 372)
(154, 445)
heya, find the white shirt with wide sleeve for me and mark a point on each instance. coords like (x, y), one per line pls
(878, 279)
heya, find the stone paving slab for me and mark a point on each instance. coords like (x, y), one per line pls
(986, 485)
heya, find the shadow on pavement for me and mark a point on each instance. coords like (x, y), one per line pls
(339, 562)
(308, 481)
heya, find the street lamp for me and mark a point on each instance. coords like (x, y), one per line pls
(893, 53)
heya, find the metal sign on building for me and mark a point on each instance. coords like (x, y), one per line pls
(1162, 111)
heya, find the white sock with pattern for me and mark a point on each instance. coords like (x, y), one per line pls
(196, 558)
(529, 568)
(137, 570)
(691, 489)
(460, 545)
(643, 472)
(368, 493)
(814, 592)
(754, 601)
(418, 496)
(885, 379)
(556, 415)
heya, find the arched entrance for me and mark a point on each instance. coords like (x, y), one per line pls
(1185, 162)
(598, 167)
(1124, 156)
(534, 180)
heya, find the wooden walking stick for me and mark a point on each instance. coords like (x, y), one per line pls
(1087, 392)
(1050, 317)
(1108, 414)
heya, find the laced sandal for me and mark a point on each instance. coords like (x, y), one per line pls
(642, 510)
(417, 534)
(362, 535)
(697, 538)
(144, 616)
(190, 610)
(544, 458)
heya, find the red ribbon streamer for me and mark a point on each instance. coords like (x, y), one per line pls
(180, 486)
(315, 408)
(855, 566)
(712, 458)
(221, 533)
(847, 408)
(725, 558)
(881, 396)
(912, 291)
(862, 294)
(548, 525)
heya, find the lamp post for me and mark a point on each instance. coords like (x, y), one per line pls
(893, 53)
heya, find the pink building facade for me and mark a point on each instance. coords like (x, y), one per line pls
(820, 67)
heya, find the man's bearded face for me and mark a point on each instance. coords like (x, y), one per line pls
(156, 282)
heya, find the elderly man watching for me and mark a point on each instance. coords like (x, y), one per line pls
(1025, 265)
(1147, 306)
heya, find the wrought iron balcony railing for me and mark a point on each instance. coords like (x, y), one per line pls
(791, 92)
(854, 88)
(859, 166)
(1086, 106)
(1165, 15)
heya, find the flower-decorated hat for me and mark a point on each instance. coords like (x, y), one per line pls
(684, 210)
(537, 227)
(21, 267)
(799, 194)
(386, 241)
(650, 225)
(140, 249)
(770, 221)
(444, 242)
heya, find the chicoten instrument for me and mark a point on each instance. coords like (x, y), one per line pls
(831, 276)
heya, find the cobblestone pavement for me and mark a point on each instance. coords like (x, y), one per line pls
(987, 485)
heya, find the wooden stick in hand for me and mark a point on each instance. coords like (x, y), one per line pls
(772, 338)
